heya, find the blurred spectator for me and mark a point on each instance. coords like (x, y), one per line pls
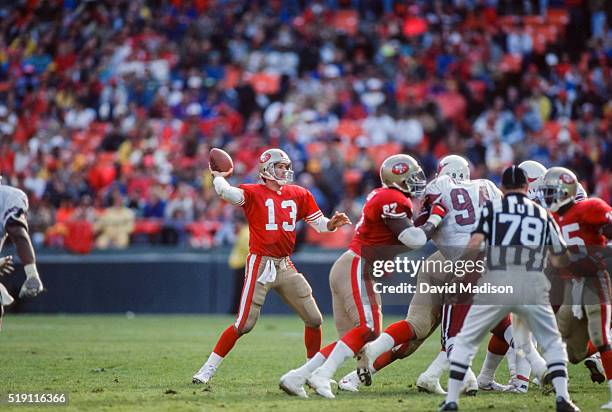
(114, 225)
(122, 100)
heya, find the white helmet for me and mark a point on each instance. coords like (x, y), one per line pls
(454, 166)
(535, 175)
(268, 160)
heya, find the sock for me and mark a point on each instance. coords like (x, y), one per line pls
(391, 356)
(606, 361)
(335, 359)
(490, 365)
(328, 349)
(591, 349)
(455, 381)
(383, 360)
(401, 332)
(511, 358)
(438, 366)
(610, 386)
(214, 360)
(357, 337)
(312, 340)
(317, 360)
(226, 341)
(558, 372)
(381, 345)
(523, 370)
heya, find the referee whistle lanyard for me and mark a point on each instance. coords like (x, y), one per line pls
(269, 273)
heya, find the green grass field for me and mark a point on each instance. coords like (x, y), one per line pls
(145, 363)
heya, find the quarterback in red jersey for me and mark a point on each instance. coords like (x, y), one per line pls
(272, 209)
(586, 226)
(386, 220)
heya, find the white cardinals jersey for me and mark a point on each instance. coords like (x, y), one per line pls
(581, 194)
(13, 205)
(463, 201)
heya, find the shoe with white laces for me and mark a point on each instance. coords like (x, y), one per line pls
(293, 384)
(593, 364)
(350, 382)
(429, 384)
(321, 385)
(204, 375)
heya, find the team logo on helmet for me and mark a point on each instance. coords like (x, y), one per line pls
(400, 168)
(441, 166)
(567, 179)
(265, 157)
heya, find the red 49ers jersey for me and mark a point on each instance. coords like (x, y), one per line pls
(272, 217)
(581, 223)
(371, 229)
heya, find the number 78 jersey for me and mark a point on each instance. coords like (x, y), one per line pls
(463, 201)
(272, 217)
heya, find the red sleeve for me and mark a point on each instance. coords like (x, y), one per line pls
(596, 212)
(395, 205)
(309, 210)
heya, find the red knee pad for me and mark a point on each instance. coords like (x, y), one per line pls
(501, 327)
(497, 345)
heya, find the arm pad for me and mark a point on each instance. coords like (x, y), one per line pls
(230, 193)
(413, 237)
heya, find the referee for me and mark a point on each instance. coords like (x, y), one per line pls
(518, 234)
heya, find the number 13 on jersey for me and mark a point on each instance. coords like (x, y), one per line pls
(287, 226)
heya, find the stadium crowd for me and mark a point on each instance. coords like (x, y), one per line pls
(108, 108)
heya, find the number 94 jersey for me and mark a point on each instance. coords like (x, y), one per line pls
(272, 217)
(463, 202)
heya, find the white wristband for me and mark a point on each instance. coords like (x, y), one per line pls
(31, 271)
(434, 220)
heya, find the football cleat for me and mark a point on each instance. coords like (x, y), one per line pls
(293, 384)
(593, 364)
(470, 384)
(448, 406)
(321, 385)
(564, 405)
(516, 385)
(492, 386)
(350, 382)
(204, 375)
(429, 384)
(364, 367)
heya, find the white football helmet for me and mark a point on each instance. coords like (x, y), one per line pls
(454, 166)
(535, 172)
(268, 160)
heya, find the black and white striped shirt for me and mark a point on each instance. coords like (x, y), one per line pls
(519, 233)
